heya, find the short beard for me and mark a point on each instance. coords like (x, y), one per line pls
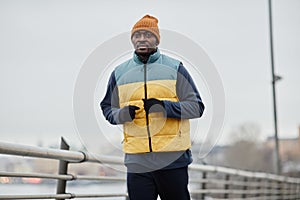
(147, 53)
(144, 56)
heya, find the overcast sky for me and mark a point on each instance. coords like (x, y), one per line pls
(43, 45)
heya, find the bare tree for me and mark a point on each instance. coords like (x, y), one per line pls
(247, 151)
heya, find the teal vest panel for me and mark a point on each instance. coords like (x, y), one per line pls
(159, 67)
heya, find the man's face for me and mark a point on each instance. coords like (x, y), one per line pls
(144, 42)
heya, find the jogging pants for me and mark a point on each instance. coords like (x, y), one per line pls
(169, 184)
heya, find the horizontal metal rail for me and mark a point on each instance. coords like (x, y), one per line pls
(233, 183)
(36, 175)
(66, 155)
(246, 184)
(232, 191)
(291, 197)
(61, 196)
(242, 173)
(68, 177)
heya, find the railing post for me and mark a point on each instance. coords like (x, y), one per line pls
(63, 169)
(290, 190)
(298, 189)
(280, 188)
(286, 189)
(227, 177)
(127, 197)
(244, 195)
(269, 188)
(295, 190)
(203, 187)
(258, 188)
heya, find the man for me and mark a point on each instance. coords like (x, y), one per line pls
(154, 97)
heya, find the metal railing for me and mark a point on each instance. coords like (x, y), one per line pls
(206, 182)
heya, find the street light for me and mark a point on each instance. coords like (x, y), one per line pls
(275, 78)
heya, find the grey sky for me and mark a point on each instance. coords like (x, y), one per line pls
(43, 45)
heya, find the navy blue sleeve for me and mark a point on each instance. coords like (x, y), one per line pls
(190, 104)
(110, 103)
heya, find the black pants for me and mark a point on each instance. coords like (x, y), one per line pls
(169, 184)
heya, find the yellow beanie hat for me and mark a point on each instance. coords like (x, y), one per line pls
(147, 23)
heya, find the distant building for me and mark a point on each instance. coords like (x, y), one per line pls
(289, 152)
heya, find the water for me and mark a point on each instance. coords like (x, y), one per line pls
(95, 188)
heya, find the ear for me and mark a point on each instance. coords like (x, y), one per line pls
(132, 41)
(157, 42)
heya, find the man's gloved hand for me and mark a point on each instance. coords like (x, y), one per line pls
(127, 113)
(153, 105)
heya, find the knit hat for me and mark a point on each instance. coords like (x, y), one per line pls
(147, 23)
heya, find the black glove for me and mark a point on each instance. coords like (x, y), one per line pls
(153, 105)
(127, 113)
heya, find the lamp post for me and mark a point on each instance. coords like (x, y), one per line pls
(275, 78)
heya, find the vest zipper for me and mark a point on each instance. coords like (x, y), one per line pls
(147, 114)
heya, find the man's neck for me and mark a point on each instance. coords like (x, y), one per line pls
(145, 56)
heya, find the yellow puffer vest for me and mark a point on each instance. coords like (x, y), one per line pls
(162, 134)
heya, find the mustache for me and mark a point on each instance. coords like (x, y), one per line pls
(143, 45)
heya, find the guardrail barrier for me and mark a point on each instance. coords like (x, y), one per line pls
(206, 182)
